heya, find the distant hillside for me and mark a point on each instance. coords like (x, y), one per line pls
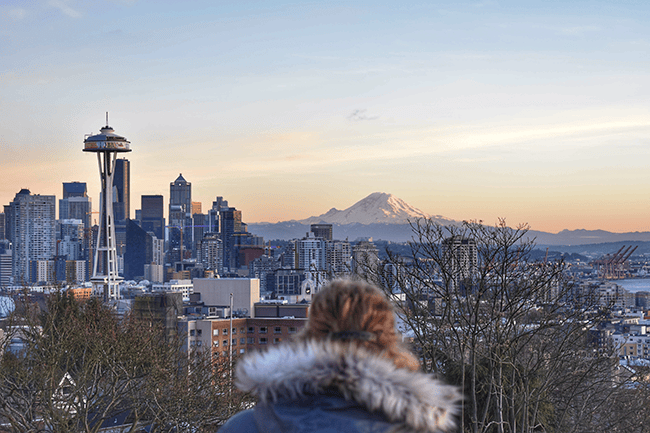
(384, 216)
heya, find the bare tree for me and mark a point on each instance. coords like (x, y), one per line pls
(82, 366)
(512, 332)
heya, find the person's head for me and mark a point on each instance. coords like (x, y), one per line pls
(357, 312)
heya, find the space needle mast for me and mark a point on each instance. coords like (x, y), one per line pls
(106, 145)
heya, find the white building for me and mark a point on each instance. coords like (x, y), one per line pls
(216, 291)
(185, 287)
(311, 254)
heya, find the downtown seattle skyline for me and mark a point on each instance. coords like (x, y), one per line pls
(537, 113)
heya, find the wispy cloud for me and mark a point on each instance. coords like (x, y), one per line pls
(359, 115)
(64, 7)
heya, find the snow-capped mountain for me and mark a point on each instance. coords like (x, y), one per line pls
(377, 208)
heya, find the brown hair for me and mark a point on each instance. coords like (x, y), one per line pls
(358, 312)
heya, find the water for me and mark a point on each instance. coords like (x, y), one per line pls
(635, 284)
(6, 306)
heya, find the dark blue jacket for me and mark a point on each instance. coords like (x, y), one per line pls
(325, 386)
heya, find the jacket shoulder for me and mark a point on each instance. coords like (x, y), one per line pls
(242, 422)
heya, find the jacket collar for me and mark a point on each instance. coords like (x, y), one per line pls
(292, 370)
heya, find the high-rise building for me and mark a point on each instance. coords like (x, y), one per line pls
(338, 257)
(76, 205)
(33, 231)
(211, 253)
(139, 251)
(122, 191)
(6, 253)
(3, 235)
(74, 189)
(322, 231)
(311, 254)
(365, 259)
(230, 223)
(180, 201)
(72, 237)
(152, 219)
(196, 207)
(180, 216)
(461, 257)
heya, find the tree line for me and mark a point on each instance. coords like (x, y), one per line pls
(82, 368)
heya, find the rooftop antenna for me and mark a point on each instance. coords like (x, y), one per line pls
(107, 118)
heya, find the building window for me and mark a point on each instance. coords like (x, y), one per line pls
(250, 340)
(242, 350)
(234, 341)
(215, 332)
(242, 330)
(192, 332)
(234, 330)
(225, 342)
(277, 330)
(251, 329)
(199, 332)
(199, 343)
(263, 340)
(242, 341)
(263, 329)
(292, 329)
(277, 340)
(215, 343)
(225, 331)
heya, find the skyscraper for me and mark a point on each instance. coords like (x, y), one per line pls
(2, 226)
(322, 231)
(180, 216)
(75, 203)
(180, 201)
(461, 257)
(122, 191)
(33, 231)
(74, 189)
(230, 223)
(152, 219)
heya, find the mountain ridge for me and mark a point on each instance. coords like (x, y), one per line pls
(384, 216)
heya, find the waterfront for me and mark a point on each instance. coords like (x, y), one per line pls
(6, 306)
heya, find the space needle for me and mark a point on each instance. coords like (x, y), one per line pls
(106, 145)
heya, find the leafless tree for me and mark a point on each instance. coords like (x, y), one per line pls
(514, 333)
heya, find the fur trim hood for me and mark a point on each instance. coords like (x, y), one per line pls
(413, 399)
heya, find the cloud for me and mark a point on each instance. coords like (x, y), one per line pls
(17, 14)
(64, 7)
(359, 115)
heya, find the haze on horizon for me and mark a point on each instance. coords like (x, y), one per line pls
(537, 111)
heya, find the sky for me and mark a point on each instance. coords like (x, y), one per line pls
(537, 112)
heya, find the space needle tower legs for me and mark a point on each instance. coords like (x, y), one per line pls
(106, 145)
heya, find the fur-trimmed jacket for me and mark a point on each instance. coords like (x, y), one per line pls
(329, 386)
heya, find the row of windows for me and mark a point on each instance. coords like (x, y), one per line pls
(242, 341)
(276, 329)
(251, 330)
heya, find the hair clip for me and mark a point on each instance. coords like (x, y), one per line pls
(354, 335)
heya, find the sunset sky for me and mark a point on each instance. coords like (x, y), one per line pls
(538, 112)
